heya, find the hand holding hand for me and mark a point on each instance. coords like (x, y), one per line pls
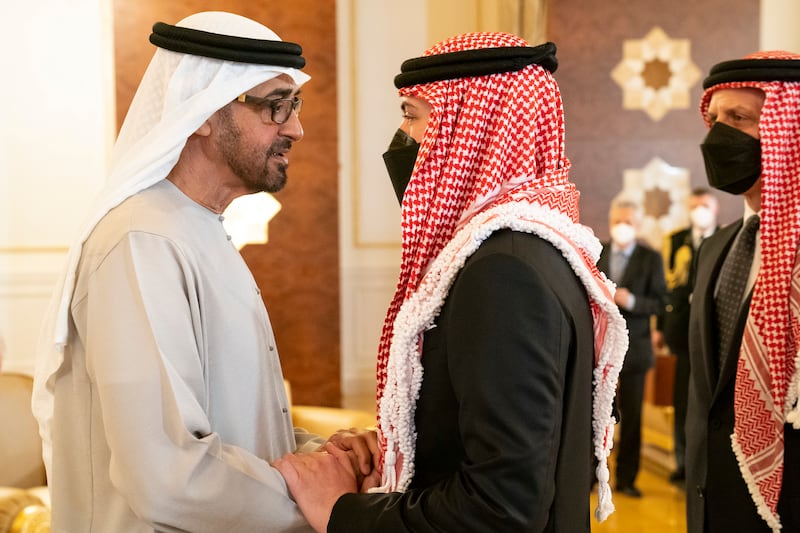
(364, 452)
(317, 480)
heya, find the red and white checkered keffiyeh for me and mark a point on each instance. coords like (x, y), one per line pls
(492, 157)
(766, 389)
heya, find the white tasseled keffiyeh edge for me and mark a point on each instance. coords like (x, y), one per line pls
(418, 312)
(178, 93)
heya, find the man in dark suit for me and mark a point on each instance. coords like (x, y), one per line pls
(743, 425)
(501, 348)
(638, 273)
(679, 252)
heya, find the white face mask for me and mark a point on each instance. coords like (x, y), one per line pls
(623, 234)
(702, 217)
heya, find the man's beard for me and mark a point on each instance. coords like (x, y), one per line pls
(252, 164)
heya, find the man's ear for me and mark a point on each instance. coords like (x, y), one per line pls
(205, 129)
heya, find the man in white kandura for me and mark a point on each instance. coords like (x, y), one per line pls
(158, 387)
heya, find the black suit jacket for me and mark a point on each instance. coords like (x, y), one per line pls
(644, 278)
(717, 498)
(504, 411)
(679, 257)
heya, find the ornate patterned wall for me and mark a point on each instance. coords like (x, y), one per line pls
(298, 270)
(631, 74)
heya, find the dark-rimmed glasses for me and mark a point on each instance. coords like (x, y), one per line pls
(277, 110)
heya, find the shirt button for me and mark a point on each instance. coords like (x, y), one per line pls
(700, 492)
(715, 424)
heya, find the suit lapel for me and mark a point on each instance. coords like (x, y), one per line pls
(714, 252)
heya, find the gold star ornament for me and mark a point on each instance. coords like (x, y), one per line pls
(656, 73)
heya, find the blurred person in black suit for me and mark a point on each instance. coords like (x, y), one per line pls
(679, 253)
(638, 272)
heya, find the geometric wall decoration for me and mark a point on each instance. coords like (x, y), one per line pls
(662, 191)
(247, 217)
(656, 73)
(606, 135)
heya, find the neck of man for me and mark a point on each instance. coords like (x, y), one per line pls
(753, 196)
(203, 182)
(753, 200)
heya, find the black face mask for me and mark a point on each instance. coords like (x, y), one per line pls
(399, 161)
(732, 157)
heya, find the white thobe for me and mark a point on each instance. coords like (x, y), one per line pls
(170, 402)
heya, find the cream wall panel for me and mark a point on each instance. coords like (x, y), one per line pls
(58, 128)
(451, 17)
(780, 25)
(366, 304)
(525, 18)
(382, 35)
(25, 292)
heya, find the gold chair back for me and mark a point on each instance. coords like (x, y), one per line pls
(21, 462)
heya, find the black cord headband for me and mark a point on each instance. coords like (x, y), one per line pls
(228, 47)
(478, 62)
(753, 70)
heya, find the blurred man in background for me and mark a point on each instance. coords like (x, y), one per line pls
(679, 253)
(638, 272)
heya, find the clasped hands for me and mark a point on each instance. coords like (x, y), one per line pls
(348, 462)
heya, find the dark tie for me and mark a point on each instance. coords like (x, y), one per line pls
(732, 282)
(617, 266)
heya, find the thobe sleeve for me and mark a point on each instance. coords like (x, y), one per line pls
(508, 346)
(307, 442)
(143, 358)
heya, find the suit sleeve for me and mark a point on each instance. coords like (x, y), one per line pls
(508, 343)
(651, 296)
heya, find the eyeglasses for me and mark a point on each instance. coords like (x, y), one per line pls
(276, 110)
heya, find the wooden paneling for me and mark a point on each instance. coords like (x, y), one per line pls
(298, 270)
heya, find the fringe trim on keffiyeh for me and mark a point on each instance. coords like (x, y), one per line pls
(772, 519)
(404, 370)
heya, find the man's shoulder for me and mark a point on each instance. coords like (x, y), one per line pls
(504, 240)
(723, 232)
(530, 249)
(715, 245)
(644, 249)
(158, 211)
(679, 237)
(679, 234)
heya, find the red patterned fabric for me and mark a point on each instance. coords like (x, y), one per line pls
(492, 156)
(766, 388)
